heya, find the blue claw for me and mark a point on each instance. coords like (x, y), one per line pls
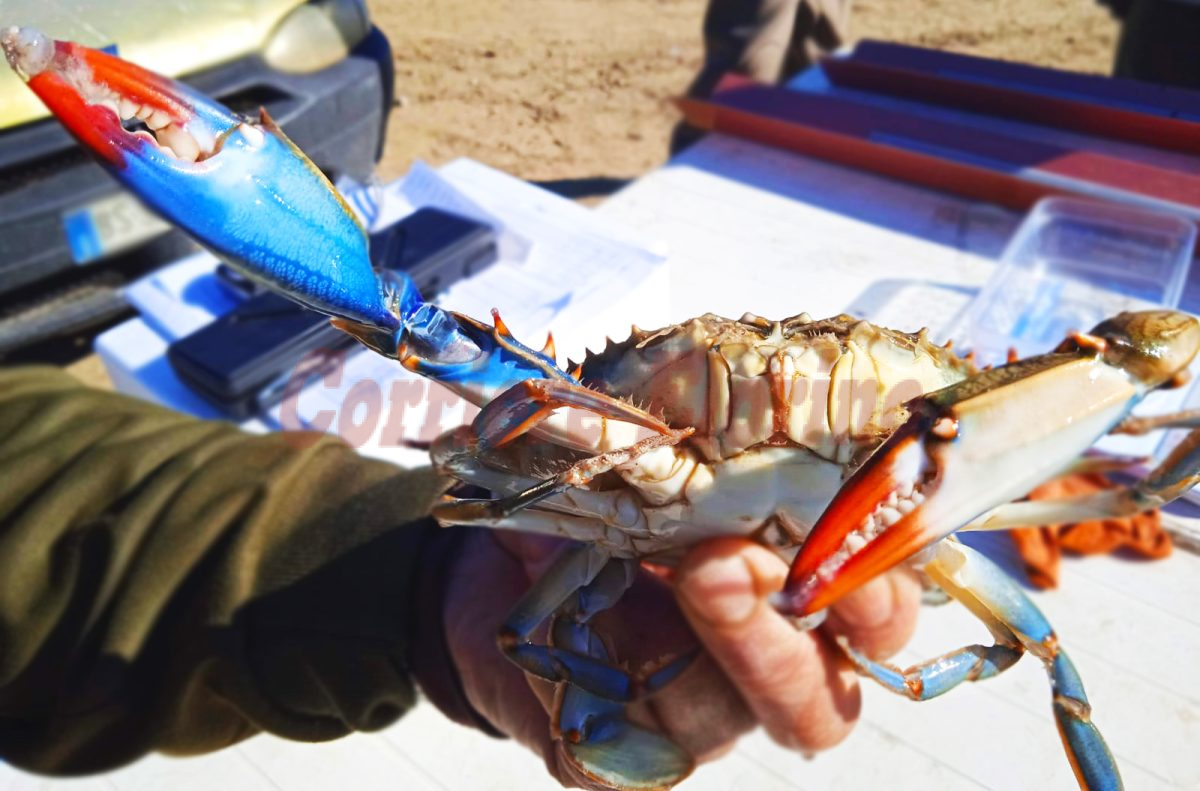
(471, 358)
(247, 193)
(241, 189)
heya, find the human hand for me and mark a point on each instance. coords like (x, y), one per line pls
(756, 667)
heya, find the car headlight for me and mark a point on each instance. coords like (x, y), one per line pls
(317, 34)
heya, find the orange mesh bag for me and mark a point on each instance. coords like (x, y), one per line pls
(1041, 547)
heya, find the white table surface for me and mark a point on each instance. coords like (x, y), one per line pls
(818, 238)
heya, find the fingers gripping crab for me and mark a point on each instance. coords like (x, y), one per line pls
(706, 428)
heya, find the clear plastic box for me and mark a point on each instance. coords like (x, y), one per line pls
(1072, 263)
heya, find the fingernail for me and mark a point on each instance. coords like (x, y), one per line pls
(720, 590)
(868, 606)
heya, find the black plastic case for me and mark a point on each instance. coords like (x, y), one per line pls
(241, 361)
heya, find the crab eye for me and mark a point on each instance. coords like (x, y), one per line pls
(1153, 345)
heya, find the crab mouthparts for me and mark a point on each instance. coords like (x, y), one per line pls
(872, 524)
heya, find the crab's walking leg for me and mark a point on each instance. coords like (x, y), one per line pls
(1188, 418)
(455, 453)
(1179, 472)
(1018, 626)
(577, 475)
(612, 518)
(614, 751)
(583, 581)
(530, 405)
(934, 677)
(1103, 463)
(580, 567)
(589, 714)
(1017, 623)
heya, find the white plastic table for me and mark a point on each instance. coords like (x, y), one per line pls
(751, 229)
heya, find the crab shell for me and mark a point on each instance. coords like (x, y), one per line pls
(783, 412)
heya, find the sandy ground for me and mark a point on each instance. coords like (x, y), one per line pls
(556, 90)
(566, 89)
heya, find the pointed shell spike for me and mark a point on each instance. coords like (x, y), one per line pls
(1013, 356)
(501, 327)
(548, 349)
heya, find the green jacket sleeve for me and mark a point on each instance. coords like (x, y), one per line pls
(177, 585)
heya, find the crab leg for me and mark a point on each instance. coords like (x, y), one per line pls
(934, 677)
(994, 598)
(552, 523)
(583, 581)
(1018, 626)
(589, 715)
(577, 475)
(614, 519)
(505, 474)
(243, 190)
(529, 406)
(577, 568)
(1188, 418)
(612, 750)
(530, 403)
(984, 442)
(1178, 473)
(1101, 462)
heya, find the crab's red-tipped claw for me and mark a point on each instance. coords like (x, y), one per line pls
(88, 89)
(240, 188)
(828, 565)
(964, 450)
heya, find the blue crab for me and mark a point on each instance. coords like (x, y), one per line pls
(709, 427)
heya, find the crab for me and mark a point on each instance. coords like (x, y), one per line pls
(847, 447)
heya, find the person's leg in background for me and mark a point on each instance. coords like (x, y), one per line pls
(1160, 41)
(766, 40)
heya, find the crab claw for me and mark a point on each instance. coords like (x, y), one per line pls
(980, 443)
(242, 189)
